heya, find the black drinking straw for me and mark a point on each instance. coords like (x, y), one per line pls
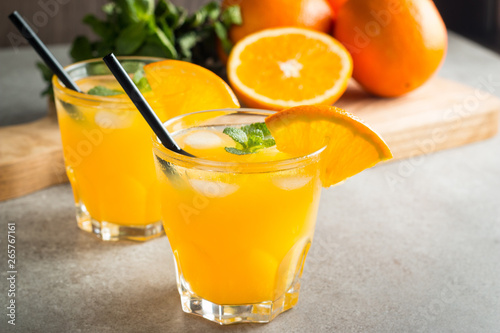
(141, 104)
(42, 50)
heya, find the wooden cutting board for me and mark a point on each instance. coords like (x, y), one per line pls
(442, 114)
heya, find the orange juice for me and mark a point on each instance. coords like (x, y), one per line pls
(107, 150)
(239, 226)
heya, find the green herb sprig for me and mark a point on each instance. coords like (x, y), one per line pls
(104, 91)
(139, 27)
(249, 138)
(138, 78)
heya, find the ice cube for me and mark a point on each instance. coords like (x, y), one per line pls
(213, 189)
(291, 183)
(203, 140)
(113, 120)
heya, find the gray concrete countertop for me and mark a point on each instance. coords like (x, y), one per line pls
(420, 254)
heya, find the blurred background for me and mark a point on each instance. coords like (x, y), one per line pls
(59, 21)
(478, 20)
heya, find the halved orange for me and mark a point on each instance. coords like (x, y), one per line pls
(351, 146)
(285, 67)
(180, 87)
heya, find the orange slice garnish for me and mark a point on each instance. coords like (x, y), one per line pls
(181, 87)
(351, 146)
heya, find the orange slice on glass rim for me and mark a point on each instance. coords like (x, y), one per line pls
(180, 87)
(351, 145)
(285, 67)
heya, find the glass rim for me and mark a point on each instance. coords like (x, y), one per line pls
(58, 85)
(233, 167)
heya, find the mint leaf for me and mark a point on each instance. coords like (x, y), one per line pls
(81, 49)
(158, 28)
(169, 170)
(268, 142)
(143, 85)
(151, 49)
(132, 11)
(131, 38)
(237, 135)
(220, 30)
(73, 111)
(186, 43)
(237, 151)
(144, 9)
(257, 126)
(138, 78)
(249, 138)
(209, 11)
(255, 137)
(231, 15)
(104, 91)
(141, 81)
(172, 15)
(46, 72)
(109, 8)
(100, 28)
(167, 46)
(47, 76)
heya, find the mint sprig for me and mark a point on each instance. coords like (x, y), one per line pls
(249, 138)
(141, 81)
(138, 78)
(104, 91)
(156, 28)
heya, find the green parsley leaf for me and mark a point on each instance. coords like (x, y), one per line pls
(249, 138)
(104, 91)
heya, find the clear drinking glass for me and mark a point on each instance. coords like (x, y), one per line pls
(239, 231)
(107, 152)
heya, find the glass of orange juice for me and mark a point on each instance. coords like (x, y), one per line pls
(107, 152)
(239, 225)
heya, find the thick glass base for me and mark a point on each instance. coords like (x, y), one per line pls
(262, 312)
(108, 231)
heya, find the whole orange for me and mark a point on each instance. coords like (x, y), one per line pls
(396, 45)
(262, 14)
